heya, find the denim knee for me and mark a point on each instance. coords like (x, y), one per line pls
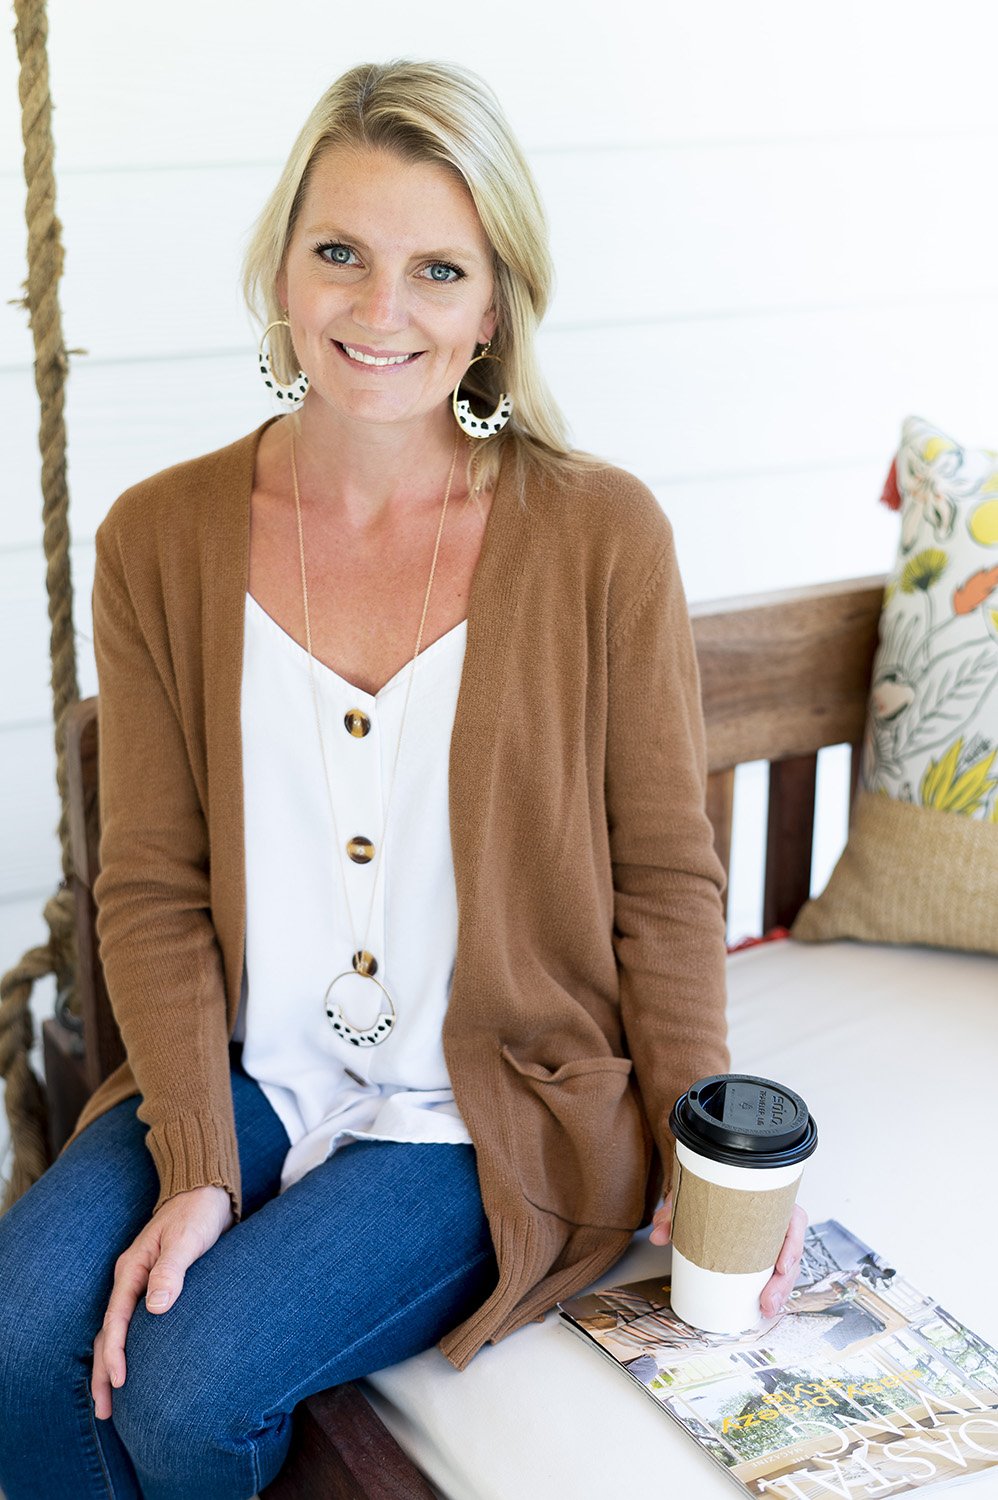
(187, 1428)
(47, 1327)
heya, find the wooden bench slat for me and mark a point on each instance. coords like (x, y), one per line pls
(66, 1086)
(789, 838)
(855, 762)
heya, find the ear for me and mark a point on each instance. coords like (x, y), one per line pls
(489, 324)
(281, 288)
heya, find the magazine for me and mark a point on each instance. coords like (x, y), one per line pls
(863, 1386)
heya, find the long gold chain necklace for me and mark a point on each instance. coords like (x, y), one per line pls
(363, 962)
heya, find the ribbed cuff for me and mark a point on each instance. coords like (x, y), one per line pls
(191, 1151)
(520, 1252)
(594, 1250)
(524, 1293)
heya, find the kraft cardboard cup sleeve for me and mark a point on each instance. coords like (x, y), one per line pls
(741, 1145)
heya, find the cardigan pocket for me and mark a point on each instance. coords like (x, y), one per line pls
(577, 1139)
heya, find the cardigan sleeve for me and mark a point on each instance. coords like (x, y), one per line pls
(669, 930)
(160, 953)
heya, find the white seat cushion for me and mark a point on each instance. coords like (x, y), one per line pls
(895, 1051)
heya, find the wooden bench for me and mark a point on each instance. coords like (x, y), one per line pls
(783, 675)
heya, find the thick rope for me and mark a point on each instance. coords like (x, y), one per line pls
(24, 1095)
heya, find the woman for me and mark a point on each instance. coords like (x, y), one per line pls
(384, 1101)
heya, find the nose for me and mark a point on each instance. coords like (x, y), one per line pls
(379, 303)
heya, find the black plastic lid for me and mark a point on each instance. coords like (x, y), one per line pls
(744, 1121)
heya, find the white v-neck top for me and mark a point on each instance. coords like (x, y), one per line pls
(324, 1089)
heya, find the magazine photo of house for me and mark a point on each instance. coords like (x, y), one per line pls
(862, 1385)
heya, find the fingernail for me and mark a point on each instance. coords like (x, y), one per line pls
(157, 1299)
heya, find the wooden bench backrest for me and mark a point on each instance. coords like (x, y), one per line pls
(783, 675)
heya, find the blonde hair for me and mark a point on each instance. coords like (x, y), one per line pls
(441, 113)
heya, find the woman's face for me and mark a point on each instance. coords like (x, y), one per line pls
(388, 261)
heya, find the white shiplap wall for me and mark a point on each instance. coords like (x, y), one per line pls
(774, 227)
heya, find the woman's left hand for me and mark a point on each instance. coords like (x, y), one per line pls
(774, 1294)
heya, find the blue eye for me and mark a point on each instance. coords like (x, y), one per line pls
(450, 273)
(339, 256)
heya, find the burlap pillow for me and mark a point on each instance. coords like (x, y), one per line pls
(921, 861)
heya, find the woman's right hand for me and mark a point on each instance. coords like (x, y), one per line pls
(773, 1297)
(180, 1231)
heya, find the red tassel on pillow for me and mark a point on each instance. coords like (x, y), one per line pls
(892, 495)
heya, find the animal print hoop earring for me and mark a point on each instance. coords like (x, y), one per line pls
(482, 427)
(290, 395)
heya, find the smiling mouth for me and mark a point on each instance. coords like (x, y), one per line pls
(377, 361)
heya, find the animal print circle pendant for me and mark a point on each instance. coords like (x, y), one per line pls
(381, 1028)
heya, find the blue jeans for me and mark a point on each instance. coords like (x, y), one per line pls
(370, 1258)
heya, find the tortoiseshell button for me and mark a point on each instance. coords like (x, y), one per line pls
(360, 849)
(357, 723)
(365, 962)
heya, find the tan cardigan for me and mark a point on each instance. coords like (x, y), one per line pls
(588, 889)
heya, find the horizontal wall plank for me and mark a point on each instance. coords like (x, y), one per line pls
(233, 81)
(768, 394)
(25, 674)
(640, 235)
(719, 400)
(713, 230)
(29, 811)
(757, 533)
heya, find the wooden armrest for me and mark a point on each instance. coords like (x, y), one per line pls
(785, 674)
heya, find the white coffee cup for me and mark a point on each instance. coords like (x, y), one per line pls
(741, 1144)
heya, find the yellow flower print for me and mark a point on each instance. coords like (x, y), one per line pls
(923, 570)
(933, 446)
(983, 522)
(942, 788)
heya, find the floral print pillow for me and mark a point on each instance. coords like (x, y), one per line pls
(932, 724)
(911, 871)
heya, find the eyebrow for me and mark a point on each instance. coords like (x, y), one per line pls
(447, 253)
